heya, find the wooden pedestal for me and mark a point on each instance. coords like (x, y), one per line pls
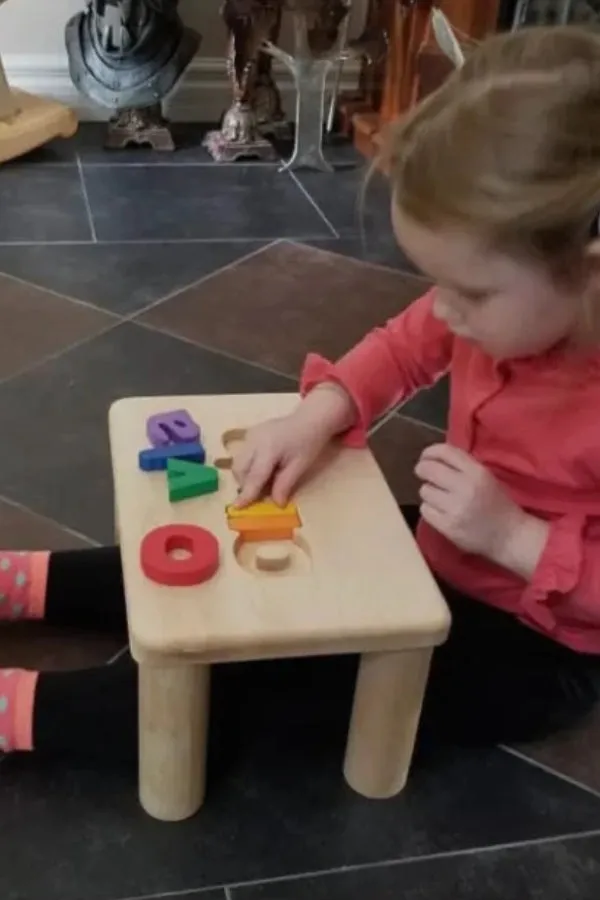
(27, 122)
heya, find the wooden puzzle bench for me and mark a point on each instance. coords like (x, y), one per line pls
(337, 572)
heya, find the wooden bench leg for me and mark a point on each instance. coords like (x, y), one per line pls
(385, 717)
(173, 723)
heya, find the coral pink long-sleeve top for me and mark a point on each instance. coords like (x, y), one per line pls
(535, 424)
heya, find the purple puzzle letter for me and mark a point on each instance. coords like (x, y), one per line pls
(174, 427)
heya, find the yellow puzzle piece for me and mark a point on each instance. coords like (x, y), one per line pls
(264, 509)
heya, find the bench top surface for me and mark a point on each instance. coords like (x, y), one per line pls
(356, 580)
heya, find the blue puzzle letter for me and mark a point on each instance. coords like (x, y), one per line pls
(154, 459)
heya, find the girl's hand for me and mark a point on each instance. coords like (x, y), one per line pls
(465, 503)
(282, 450)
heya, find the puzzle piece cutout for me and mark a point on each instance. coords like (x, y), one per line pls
(273, 557)
(190, 479)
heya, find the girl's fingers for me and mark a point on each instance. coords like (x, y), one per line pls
(254, 480)
(448, 455)
(437, 473)
(286, 480)
(434, 497)
(432, 516)
(241, 464)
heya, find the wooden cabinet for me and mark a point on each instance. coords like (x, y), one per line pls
(412, 66)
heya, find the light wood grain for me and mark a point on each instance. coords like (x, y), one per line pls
(274, 556)
(27, 122)
(8, 105)
(361, 585)
(173, 727)
(354, 581)
(385, 717)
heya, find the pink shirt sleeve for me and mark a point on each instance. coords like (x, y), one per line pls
(389, 365)
(567, 576)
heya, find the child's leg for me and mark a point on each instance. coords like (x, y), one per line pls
(91, 713)
(75, 588)
(496, 680)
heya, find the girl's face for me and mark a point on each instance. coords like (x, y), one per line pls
(512, 309)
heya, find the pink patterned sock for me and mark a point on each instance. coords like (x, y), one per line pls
(17, 695)
(23, 579)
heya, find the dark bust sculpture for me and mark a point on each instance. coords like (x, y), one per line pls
(129, 54)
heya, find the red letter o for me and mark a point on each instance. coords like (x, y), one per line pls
(159, 564)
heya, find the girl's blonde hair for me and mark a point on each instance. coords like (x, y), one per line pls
(509, 146)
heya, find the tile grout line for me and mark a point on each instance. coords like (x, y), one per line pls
(52, 164)
(86, 200)
(385, 418)
(40, 287)
(26, 509)
(265, 245)
(136, 315)
(428, 857)
(361, 867)
(313, 203)
(117, 656)
(568, 779)
(238, 359)
(137, 242)
(50, 357)
(188, 164)
(131, 317)
(396, 413)
(359, 260)
(183, 892)
(399, 414)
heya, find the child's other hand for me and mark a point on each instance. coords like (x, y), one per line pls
(462, 500)
(282, 450)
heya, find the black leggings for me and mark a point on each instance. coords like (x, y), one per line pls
(497, 681)
(493, 681)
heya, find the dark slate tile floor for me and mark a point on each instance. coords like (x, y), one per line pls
(269, 814)
(121, 278)
(158, 203)
(43, 203)
(494, 875)
(130, 273)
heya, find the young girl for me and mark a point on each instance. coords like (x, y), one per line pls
(496, 197)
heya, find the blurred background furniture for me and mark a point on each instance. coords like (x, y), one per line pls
(27, 121)
(402, 62)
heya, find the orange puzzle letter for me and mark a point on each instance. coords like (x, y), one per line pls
(262, 510)
(263, 523)
(260, 536)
